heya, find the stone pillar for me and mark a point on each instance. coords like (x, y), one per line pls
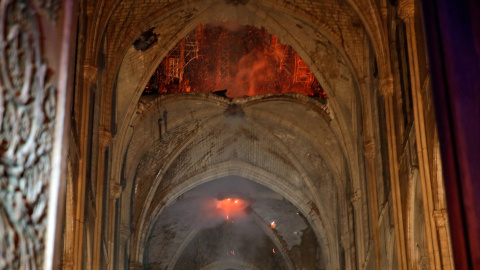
(89, 78)
(406, 12)
(104, 138)
(370, 160)
(386, 90)
(115, 191)
(441, 225)
(123, 237)
(348, 244)
(68, 244)
(356, 200)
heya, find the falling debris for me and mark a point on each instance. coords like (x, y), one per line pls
(273, 250)
(273, 225)
(221, 93)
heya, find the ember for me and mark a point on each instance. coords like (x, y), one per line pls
(244, 62)
(273, 224)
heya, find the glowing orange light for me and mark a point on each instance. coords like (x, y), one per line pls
(231, 205)
(273, 224)
(231, 208)
(253, 73)
(273, 250)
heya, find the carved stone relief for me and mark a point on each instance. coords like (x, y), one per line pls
(27, 113)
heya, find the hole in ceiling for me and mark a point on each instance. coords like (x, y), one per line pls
(232, 218)
(233, 60)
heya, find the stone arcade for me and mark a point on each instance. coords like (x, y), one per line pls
(219, 134)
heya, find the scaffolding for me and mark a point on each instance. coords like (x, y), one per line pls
(210, 58)
(302, 72)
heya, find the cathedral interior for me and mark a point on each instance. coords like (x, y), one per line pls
(231, 135)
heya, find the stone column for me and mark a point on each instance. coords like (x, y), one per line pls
(386, 90)
(406, 12)
(370, 160)
(104, 138)
(441, 225)
(123, 237)
(69, 229)
(89, 78)
(348, 243)
(115, 191)
(356, 201)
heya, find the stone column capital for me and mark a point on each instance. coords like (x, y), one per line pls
(346, 241)
(356, 199)
(104, 137)
(89, 73)
(115, 190)
(406, 9)
(384, 12)
(440, 217)
(369, 148)
(124, 232)
(386, 85)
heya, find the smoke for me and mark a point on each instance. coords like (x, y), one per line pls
(221, 212)
(242, 59)
(252, 69)
(208, 205)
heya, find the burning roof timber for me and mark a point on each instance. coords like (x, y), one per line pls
(233, 62)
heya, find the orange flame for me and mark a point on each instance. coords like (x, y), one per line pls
(232, 207)
(247, 64)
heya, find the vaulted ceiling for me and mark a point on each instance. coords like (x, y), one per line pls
(282, 142)
(298, 154)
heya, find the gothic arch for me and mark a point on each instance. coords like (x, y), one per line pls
(143, 233)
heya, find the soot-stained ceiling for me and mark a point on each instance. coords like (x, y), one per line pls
(202, 137)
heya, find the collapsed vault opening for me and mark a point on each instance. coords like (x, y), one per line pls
(202, 227)
(233, 60)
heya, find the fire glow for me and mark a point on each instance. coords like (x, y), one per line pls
(232, 207)
(238, 62)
